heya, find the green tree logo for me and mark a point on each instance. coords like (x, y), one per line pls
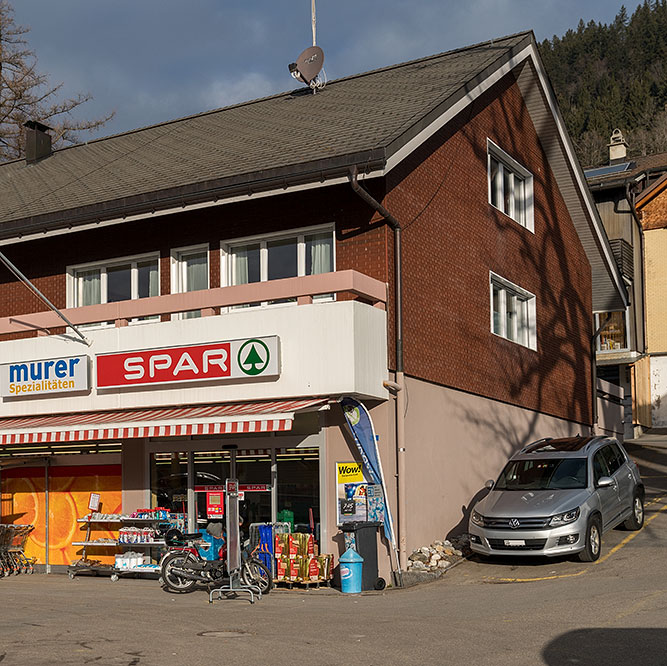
(253, 357)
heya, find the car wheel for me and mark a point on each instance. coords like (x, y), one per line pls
(636, 519)
(593, 541)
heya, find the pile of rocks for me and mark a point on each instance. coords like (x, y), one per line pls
(440, 555)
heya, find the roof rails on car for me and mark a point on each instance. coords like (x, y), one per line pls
(535, 444)
(596, 440)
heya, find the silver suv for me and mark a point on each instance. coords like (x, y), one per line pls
(558, 496)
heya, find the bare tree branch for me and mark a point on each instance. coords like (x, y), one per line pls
(25, 94)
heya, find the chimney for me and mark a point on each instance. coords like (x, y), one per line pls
(618, 148)
(37, 141)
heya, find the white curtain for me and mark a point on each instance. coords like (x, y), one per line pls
(90, 287)
(240, 255)
(321, 256)
(153, 283)
(196, 271)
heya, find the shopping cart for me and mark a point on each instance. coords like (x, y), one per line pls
(13, 559)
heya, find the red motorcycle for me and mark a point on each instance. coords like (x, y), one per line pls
(184, 567)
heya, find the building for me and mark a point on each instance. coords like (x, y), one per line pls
(651, 205)
(419, 237)
(625, 348)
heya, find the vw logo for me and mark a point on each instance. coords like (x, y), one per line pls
(514, 523)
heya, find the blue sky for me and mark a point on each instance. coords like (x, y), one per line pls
(154, 60)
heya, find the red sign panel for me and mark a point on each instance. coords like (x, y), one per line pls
(157, 366)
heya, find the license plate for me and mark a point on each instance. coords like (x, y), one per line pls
(515, 542)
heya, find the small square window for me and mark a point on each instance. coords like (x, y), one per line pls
(510, 186)
(512, 312)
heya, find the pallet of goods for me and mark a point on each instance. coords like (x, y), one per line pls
(297, 561)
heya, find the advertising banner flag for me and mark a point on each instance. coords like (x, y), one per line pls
(361, 426)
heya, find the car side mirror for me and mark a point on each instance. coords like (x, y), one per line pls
(489, 484)
(605, 482)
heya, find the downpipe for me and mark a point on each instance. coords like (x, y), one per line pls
(399, 387)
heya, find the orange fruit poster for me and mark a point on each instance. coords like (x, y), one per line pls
(23, 502)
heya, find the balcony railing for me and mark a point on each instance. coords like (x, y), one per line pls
(207, 301)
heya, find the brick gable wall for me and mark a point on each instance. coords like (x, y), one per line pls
(453, 237)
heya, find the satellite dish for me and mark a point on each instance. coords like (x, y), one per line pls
(308, 65)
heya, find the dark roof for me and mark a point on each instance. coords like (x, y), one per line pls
(638, 165)
(361, 119)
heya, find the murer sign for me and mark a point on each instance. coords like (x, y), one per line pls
(45, 376)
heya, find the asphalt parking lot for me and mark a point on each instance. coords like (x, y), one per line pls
(518, 612)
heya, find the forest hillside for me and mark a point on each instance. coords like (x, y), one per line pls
(613, 76)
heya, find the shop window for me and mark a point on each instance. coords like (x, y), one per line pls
(298, 488)
(275, 257)
(112, 281)
(169, 481)
(510, 186)
(254, 469)
(297, 478)
(513, 312)
(614, 336)
(189, 272)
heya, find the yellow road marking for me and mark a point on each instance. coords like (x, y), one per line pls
(630, 537)
(531, 580)
(634, 608)
(615, 549)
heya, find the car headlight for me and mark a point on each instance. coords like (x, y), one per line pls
(477, 519)
(564, 518)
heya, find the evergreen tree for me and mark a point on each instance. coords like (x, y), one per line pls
(612, 76)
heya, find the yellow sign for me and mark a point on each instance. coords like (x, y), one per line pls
(349, 473)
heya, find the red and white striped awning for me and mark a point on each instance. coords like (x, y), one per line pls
(219, 419)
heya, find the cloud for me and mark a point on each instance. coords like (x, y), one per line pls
(223, 92)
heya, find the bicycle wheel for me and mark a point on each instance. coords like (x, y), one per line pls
(255, 572)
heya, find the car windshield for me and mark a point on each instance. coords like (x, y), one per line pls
(544, 474)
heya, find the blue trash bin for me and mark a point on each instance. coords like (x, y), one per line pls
(351, 566)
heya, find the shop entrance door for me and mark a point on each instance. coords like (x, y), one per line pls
(253, 471)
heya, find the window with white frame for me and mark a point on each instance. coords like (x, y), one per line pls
(513, 312)
(510, 186)
(189, 272)
(292, 254)
(614, 336)
(116, 280)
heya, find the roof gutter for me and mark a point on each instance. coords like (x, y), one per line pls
(399, 386)
(237, 188)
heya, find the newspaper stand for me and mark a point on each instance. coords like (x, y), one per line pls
(235, 584)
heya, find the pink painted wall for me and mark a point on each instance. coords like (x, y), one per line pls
(455, 441)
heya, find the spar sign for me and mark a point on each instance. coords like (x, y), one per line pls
(250, 358)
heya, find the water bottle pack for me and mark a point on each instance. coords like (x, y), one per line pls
(136, 535)
(131, 560)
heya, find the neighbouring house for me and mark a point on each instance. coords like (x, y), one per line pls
(651, 205)
(419, 237)
(630, 343)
